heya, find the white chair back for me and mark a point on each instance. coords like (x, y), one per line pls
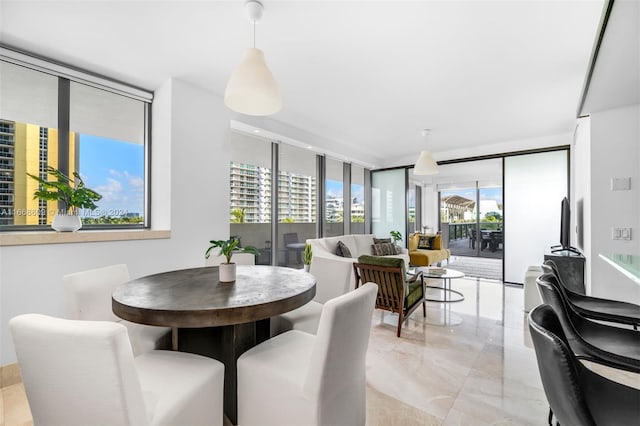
(87, 294)
(78, 372)
(336, 374)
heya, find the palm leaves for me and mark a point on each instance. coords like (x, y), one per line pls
(72, 192)
(228, 247)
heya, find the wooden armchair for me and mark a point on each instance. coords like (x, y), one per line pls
(395, 293)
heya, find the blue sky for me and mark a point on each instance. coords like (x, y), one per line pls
(115, 170)
(334, 189)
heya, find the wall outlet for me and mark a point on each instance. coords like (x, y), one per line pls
(621, 233)
(621, 184)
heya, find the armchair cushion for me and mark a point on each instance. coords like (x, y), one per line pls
(390, 262)
(414, 293)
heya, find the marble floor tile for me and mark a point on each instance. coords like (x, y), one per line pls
(466, 363)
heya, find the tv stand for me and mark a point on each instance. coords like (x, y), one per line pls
(570, 265)
(559, 248)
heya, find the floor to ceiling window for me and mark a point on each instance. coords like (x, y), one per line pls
(334, 198)
(297, 193)
(388, 203)
(250, 179)
(358, 198)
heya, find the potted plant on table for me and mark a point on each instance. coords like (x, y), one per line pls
(227, 271)
(307, 254)
(71, 193)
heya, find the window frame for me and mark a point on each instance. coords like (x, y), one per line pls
(66, 74)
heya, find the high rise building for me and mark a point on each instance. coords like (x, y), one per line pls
(28, 148)
(250, 195)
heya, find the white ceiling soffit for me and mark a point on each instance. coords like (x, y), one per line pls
(616, 76)
(366, 75)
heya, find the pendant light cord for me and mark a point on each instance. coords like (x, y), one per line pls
(254, 33)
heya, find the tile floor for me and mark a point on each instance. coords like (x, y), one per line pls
(466, 363)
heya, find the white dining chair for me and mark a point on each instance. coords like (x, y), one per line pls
(84, 373)
(305, 318)
(297, 378)
(87, 296)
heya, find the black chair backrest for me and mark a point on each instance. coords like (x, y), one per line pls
(290, 238)
(550, 267)
(559, 369)
(551, 294)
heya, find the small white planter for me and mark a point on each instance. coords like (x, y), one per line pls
(66, 223)
(227, 272)
(307, 267)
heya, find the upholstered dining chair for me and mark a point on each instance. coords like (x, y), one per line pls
(395, 294)
(614, 346)
(305, 318)
(87, 296)
(576, 394)
(296, 378)
(84, 373)
(594, 307)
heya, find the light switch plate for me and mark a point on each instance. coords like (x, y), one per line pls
(621, 233)
(621, 184)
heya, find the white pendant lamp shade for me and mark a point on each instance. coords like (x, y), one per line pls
(425, 165)
(252, 90)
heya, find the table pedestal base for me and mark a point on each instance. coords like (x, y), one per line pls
(226, 344)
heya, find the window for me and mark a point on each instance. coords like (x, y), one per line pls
(357, 199)
(104, 139)
(334, 198)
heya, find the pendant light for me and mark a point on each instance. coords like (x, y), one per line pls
(425, 165)
(251, 89)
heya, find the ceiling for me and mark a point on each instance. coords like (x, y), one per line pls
(367, 76)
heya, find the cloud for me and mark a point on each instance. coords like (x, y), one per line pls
(111, 191)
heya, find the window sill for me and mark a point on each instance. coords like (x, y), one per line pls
(52, 237)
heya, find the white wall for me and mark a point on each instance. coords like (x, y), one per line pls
(581, 194)
(615, 152)
(191, 153)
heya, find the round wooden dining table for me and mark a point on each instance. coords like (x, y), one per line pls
(212, 318)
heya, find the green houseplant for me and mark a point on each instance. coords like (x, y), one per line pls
(227, 249)
(307, 254)
(396, 236)
(71, 192)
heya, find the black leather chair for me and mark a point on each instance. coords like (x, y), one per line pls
(613, 346)
(594, 307)
(577, 395)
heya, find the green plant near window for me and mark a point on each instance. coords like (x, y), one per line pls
(228, 248)
(71, 192)
(307, 254)
(396, 235)
(238, 215)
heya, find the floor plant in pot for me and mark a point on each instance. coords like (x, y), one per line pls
(307, 254)
(227, 249)
(71, 195)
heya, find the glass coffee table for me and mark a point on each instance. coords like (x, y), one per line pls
(446, 275)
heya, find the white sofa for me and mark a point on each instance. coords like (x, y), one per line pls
(334, 274)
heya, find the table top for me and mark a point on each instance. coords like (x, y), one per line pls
(191, 298)
(450, 274)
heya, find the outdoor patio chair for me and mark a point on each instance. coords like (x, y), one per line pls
(395, 294)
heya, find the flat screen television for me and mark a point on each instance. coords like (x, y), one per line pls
(565, 228)
(565, 223)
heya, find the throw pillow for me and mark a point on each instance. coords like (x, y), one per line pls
(426, 243)
(383, 249)
(381, 240)
(342, 250)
